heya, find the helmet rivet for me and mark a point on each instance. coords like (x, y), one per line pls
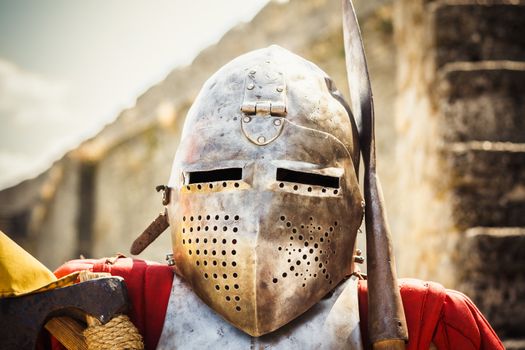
(359, 259)
(250, 86)
(277, 122)
(253, 71)
(246, 119)
(170, 260)
(261, 139)
(280, 89)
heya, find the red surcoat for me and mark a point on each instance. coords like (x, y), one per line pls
(434, 314)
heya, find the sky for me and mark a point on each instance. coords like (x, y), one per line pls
(69, 67)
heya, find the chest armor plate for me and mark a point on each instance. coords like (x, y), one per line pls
(333, 323)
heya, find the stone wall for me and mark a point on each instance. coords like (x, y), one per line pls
(16, 205)
(41, 214)
(493, 273)
(425, 232)
(126, 201)
(56, 218)
(462, 138)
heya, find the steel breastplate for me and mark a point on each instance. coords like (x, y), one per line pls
(333, 323)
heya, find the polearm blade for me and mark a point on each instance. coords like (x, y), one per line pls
(356, 68)
(386, 317)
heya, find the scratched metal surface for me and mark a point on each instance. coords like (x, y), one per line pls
(333, 323)
(258, 250)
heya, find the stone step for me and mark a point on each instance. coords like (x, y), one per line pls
(482, 101)
(488, 181)
(469, 31)
(514, 344)
(491, 269)
(473, 2)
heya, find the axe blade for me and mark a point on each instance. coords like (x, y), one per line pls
(22, 318)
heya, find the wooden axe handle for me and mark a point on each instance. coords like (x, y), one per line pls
(68, 332)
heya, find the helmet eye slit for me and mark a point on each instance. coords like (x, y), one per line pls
(305, 178)
(215, 175)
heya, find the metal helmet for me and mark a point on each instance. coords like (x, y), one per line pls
(263, 199)
(265, 204)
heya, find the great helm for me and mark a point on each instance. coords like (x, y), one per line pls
(263, 200)
(265, 204)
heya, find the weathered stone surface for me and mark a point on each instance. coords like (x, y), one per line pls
(474, 2)
(15, 208)
(514, 344)
(488, 185)
(475, 32)
(462, 149)
(483, 102)
(52, 226)
(125, 197)
(422, 225)
(492, 272)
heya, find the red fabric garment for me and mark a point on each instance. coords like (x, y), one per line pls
(148, 284)
(444, 317)
(437, 315)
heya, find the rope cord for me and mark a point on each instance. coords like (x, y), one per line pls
(119, 333)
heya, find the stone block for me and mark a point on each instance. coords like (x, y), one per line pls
(474, 32)
(514, 344)
(483, 102)
(488, 184)
(491, 269)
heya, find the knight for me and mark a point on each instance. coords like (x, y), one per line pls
(264, 205)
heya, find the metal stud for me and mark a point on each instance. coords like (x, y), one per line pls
(279, 89)
(261, 139)
(246, 119)
(251, 86)
(277, 122)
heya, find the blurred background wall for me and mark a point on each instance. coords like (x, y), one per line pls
(448, 78)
